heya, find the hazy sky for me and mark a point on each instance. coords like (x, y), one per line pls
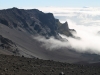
(45, 3)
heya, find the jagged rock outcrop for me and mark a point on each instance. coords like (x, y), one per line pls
(6, 44)
(64, 29)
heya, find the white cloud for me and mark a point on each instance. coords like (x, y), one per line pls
(90, 41)
(85, 16)
(52, 43)
(86, 21)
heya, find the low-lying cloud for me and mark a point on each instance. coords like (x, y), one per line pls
(51, 43)
(89, 42)
(86, 21)
(90, 39)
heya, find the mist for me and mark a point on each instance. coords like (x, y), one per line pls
(52, 43)
(89, 41)
(86, 22)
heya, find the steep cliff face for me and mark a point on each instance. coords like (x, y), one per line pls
(33, 21)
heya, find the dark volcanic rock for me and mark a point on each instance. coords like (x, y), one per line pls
(73, 31)
(33, 21)
(5, 40)
(7, 44)
(64, 29)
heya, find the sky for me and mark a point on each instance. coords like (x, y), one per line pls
(47, 3)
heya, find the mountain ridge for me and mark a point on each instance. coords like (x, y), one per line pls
(32, 20)
(19, 25)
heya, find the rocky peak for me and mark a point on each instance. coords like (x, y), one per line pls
(65, 26)
(64, 29)
(14, 8)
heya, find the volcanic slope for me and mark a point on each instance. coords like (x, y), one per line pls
(20, 26)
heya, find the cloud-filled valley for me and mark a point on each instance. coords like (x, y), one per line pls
(86, 22)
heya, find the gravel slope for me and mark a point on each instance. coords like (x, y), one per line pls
(14, 65)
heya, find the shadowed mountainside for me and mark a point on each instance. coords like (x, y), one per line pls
(20, 26)
(33, 21)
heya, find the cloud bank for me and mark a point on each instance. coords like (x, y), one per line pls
(89, 42)
(85, 16)
(90, 39)
(86, 21)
